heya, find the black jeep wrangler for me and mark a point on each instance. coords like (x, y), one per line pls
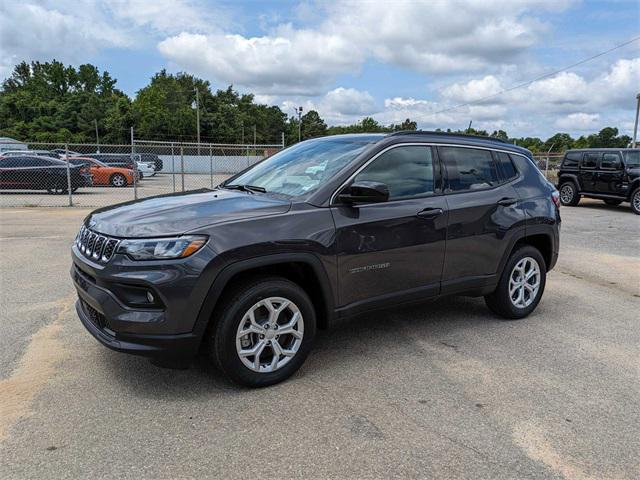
(610, 174)
(320, 231)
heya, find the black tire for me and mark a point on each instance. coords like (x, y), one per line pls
(635, 201)
(118, 180)
(569, 195)
(500, 301)
(58, 189)
(221, 337)
(613, 203)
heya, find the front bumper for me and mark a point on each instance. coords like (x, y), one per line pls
(167, 330)
(178, 347)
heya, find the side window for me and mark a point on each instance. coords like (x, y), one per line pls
(407, 171)
(10, 162)
(611, 161)
(505, 166)
(469, 168)
(571, 159)
(590, 160)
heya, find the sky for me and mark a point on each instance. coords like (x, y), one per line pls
(347, 59)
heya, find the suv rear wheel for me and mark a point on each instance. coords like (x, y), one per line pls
(635, 201)
(521, 285)
(569, 194)
(264, 332)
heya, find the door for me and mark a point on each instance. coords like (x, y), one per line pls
(484, 212)
(610, 174)
(397, 246)
(588, 171)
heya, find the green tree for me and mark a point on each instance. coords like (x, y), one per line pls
(53, 102)
(558, 143)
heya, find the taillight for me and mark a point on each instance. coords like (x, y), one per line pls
(555, 197)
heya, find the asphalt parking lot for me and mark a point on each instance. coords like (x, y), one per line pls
(440, 390)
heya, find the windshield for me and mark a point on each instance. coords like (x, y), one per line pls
(632, 158)
(302, 168)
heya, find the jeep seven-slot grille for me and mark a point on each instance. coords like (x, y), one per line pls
(99, 248)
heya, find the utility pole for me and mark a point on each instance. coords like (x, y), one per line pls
(635, 127)
(242, 125)
(469, 127)
(299, 112)
(95, 122)
(197, 117)
(254, 136)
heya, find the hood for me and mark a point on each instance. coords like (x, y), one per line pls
(179, 213)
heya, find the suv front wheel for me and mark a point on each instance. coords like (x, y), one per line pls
(521, 285)
(263, 332)
(569, 194)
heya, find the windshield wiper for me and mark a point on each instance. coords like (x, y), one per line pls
(246, 188)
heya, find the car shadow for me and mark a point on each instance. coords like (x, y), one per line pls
(600, 205)
(435, 321)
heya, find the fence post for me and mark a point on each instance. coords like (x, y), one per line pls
(66, 157)
(182, 165)
(211, 164)
(173, 169)
(135, 170)
(546, 167)
(282, 141)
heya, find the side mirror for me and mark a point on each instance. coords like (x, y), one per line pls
(365, 192)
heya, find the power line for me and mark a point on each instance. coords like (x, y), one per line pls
(541, 77)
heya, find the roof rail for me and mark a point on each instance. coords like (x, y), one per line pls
(452, 134)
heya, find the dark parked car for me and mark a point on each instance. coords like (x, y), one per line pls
(41, 173)
(610, 174)
(323, 230)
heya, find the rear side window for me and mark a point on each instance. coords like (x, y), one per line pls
(590, 160)
(468, 168)
(571, 159)
(611, 161)
(407, 171)
(505, 166)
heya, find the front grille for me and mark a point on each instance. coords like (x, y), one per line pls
(95, 316)
(95, 246)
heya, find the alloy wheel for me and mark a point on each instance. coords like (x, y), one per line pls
(270, 334)
(118, 181)
(566, 193)
(524, 282)
(636, 201)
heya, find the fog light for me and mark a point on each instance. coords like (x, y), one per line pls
(150, 297)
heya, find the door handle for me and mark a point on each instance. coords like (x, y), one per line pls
(505, 202)
(430, 213)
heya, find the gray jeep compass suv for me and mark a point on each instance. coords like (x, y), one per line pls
(320, 231)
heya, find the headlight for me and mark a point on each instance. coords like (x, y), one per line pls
(162, 248)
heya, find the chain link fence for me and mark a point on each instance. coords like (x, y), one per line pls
(549, 165)
(36, 174)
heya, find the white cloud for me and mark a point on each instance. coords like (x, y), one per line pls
(473, 90)
(578, 121)
(169, 16)
(292, 62)
(339, 106)
(434, 37)
(67, 31)
(349, 101)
